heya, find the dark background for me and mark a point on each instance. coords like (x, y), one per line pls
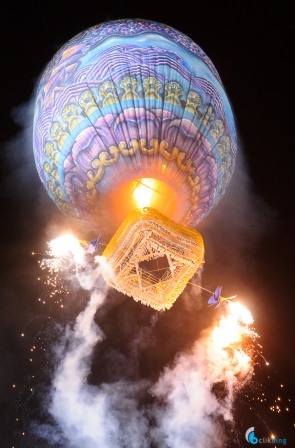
(252, 47)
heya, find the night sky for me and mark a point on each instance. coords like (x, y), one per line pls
(249, 238)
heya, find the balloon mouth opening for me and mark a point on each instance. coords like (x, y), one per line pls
(144, 192)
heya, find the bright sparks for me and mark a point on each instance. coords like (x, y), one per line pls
(65, 246)
(65, 254)
(231, 331)
(143, 192)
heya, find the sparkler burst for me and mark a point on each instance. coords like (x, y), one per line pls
(201, 387)
(195, 396)
(65, 254)
(233, 327)
(66, 246)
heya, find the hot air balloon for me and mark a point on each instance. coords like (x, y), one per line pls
(134, 138)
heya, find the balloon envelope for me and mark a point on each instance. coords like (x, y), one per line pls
(127, 100)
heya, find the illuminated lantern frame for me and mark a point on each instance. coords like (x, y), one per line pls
(148, 236)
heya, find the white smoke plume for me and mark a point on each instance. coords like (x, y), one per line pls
(92, 416)
(185, 410)
(199, 388)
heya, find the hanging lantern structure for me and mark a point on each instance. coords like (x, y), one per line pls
(153, 258)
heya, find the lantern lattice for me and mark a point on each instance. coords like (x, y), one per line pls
(153, 258)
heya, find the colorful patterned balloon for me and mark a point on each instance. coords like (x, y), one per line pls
(130, 99)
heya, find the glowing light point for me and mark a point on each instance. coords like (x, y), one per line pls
(66, 246)
(143, 192)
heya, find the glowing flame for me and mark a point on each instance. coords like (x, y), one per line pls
(65, 254)
(231, 331)
(143, 192)
(65, 246)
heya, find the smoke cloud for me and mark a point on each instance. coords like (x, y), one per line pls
(187, 403)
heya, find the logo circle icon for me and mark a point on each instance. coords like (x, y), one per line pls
(250, 436)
